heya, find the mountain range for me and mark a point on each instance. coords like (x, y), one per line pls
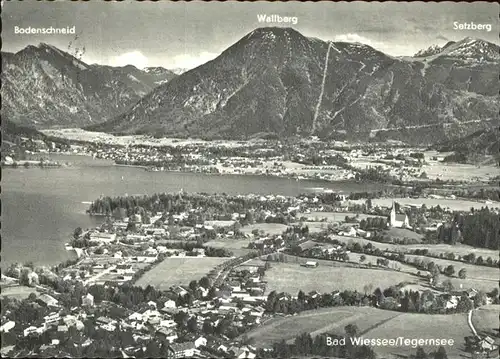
(275, 80)
(43, 86)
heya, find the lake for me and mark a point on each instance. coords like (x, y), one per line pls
(42, 207)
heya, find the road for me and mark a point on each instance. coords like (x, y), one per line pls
(469, 321)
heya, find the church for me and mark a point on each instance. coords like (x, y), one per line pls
(398, 220)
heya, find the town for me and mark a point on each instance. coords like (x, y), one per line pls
(195, 275)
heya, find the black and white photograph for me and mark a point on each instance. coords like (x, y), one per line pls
(250, 180)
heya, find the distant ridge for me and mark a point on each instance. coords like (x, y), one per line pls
(270, 81)
(43, 86)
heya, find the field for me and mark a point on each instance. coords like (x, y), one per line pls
(425, 326)
(291, 277)
(329, 320)
(473, 271)
(268, 228)
(459, 172)
(237, 246)
(314, 227)
(355, 258)
(453, 204)
(485, 320)
(177, 271)
(399, 233)
(373, 323)
(433, 248)
(18, 292)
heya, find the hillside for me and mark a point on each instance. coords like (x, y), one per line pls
(275, 80)
(474, 147)
(43, 86)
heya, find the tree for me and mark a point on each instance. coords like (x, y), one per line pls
(193, 285)
(435, 277)
(480, 299)
(421, 354)
(464, 304)
(362, 258)
(205, 282)
(449, 271)
(351, 330)
(462, 274)
(441, 353)
(192, 324)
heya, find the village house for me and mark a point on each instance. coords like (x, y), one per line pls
(311, 264)
(201, 341)
(32, 278)
(182, 350)
(51, 318)
(62, 328)
(179, 291)
(6, 327)
(106, 323)
(151, 304)
(488, 344)
(235, 286)
(135, 316)
(170, 304)
(31, 330)
(167, 323)
(165, 333)
(222, 348)
(88, 300)
(242, 352)
(137, 238)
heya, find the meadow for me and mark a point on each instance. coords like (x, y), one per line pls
(486, 321)
(17, 291)
(178, 271)
(453, 204)
(239, 247)
(268, 228)
(323, 320)
(292, 277)
(473, 271)
(373, 323)
(459, 249)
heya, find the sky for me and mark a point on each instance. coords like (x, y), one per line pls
(188, 34)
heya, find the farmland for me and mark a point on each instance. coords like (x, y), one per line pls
(453, 204)
(433, 248)
(329, 320)
(237, 246)
(485, 320)
(267, 228)
(332, 216)
(291, 277)
(425, 326)
(17, 291)
(177, 271)
(473, 271)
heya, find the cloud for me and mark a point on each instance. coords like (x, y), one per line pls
(135, 58)
(187, 61)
